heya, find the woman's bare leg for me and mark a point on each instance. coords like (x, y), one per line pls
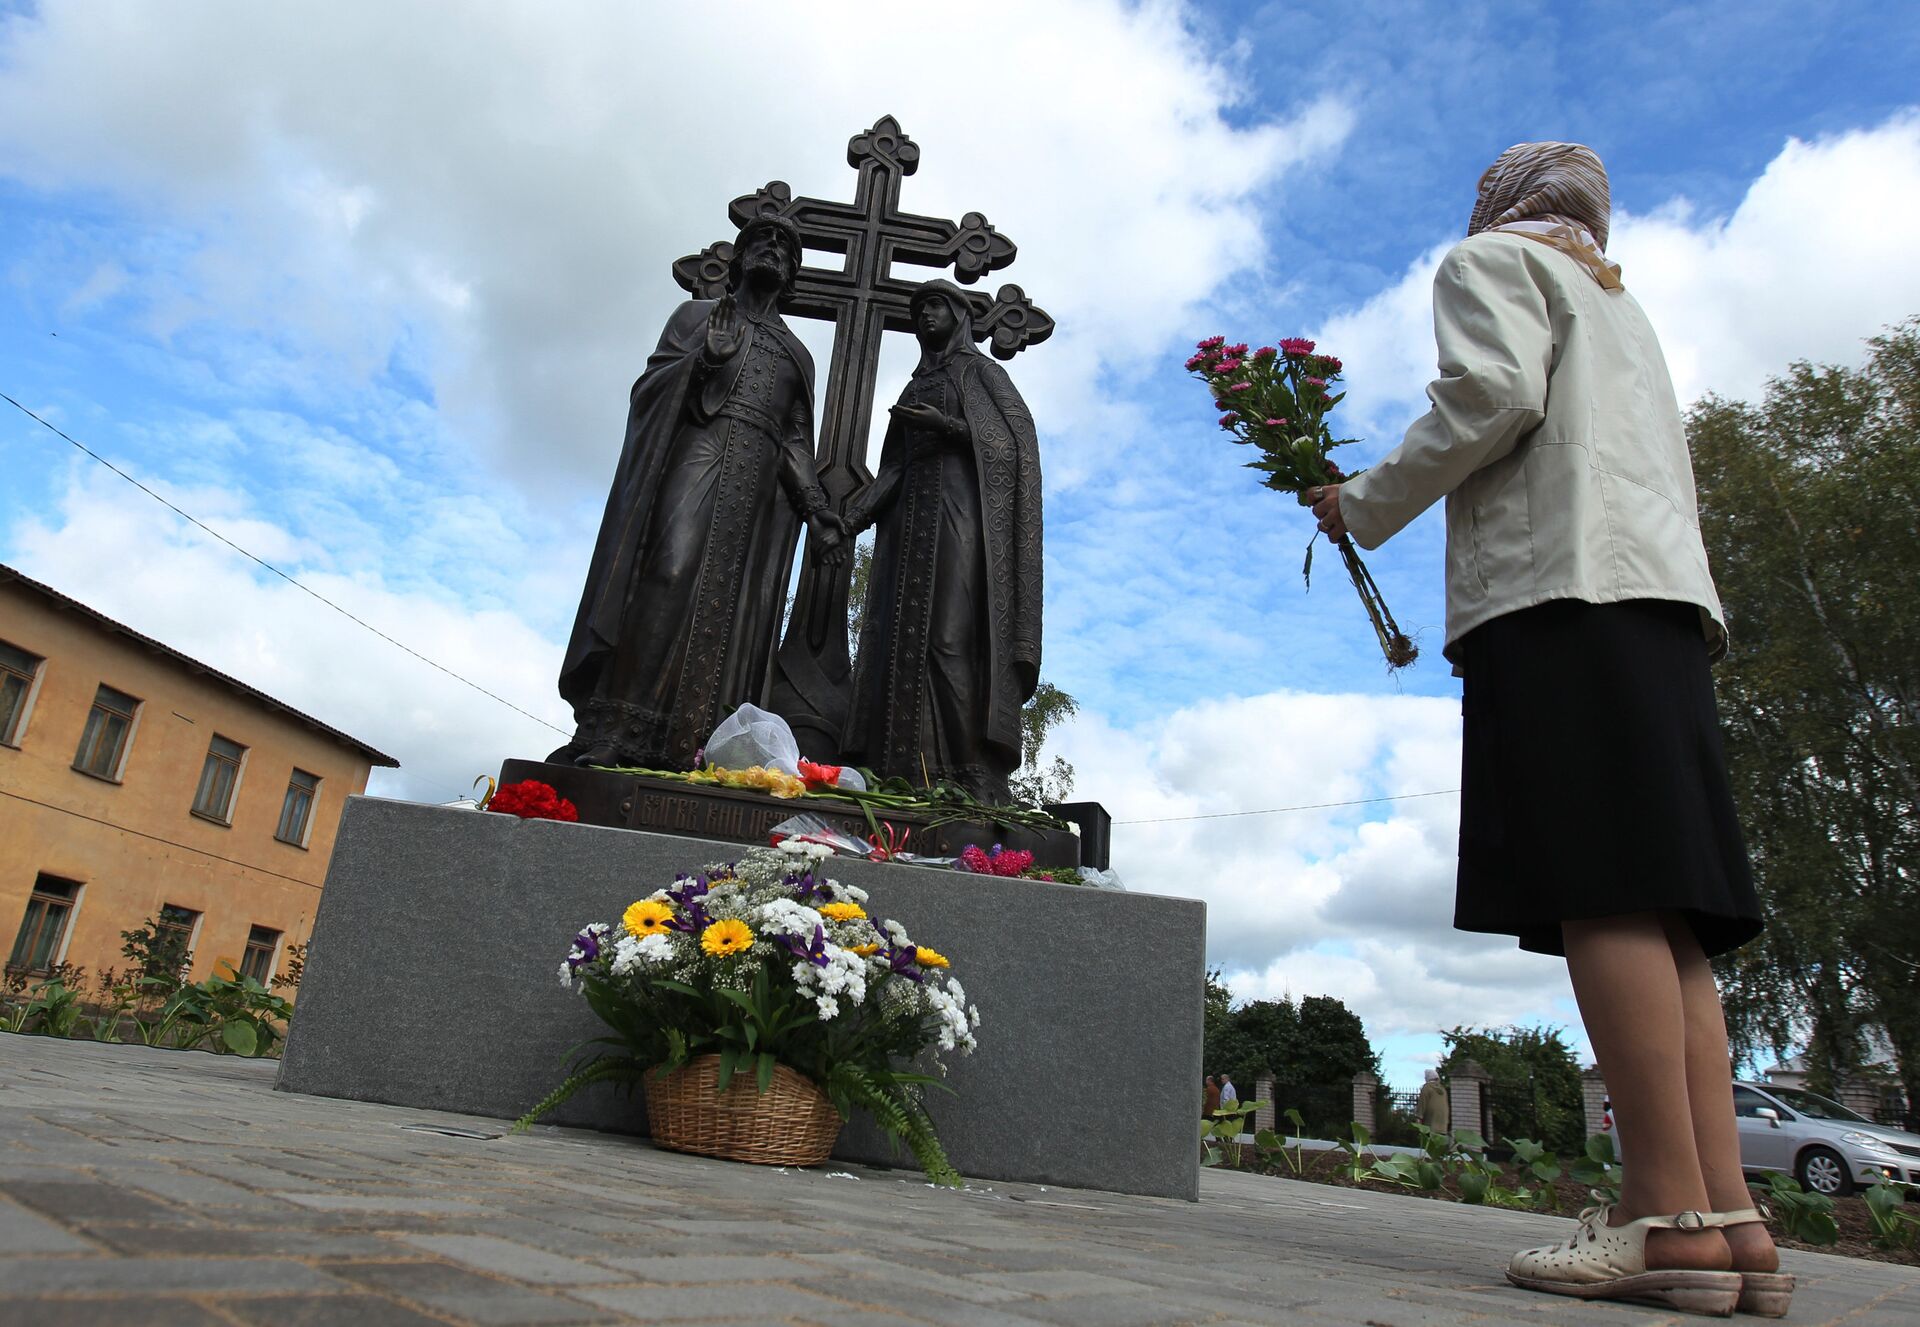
(1716, 1135)
(1628, 985)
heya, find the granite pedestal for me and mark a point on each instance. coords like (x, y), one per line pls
(432, 981)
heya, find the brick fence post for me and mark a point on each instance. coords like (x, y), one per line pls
(1364, 1085)
(1263, 1115)
(1466, 1097)
(1593, 1098)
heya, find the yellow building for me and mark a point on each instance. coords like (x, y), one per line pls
(137, 783)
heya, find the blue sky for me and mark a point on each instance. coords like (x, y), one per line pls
(364, 288)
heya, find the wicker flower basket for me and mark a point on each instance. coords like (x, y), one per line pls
(791, 1124)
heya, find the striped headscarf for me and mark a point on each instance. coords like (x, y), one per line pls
(1544, 182)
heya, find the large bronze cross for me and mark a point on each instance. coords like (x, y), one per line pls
(812, 684)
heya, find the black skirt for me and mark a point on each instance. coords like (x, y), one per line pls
(1593, 780)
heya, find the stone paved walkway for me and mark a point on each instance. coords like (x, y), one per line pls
(149, 1188)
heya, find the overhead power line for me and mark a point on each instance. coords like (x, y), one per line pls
(403, 646)
(194, 520)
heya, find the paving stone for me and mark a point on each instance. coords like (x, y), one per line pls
(702, 1268)
(464, 1293)
(121, 1311)
(88, 1200)
(202, 1191)
(503, 1257)
(172, 1242)
(324, 1311)
(106, 1275)
(711, 1303)
(22, 1231)
(362, 1202)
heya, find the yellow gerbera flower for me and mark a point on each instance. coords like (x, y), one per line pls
(866, 951)
(647, 917)
(842, 912)
(930, 958)
(726, 937)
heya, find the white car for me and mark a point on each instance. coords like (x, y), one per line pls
(1821, 1143)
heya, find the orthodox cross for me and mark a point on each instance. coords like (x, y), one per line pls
(812, 682)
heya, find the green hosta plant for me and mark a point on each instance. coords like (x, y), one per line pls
(54, 1006)
(1356, 1154)
(1807, 1217)
(1598, 1169)
(234, 1014)
(1220, 1134)
(1893, 1226)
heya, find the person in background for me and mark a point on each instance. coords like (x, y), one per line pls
(1596, 817)
(1433, 1109)
(1209, 1097)
(1229, 1096)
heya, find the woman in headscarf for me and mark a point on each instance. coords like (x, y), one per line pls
(950, 644)
(1596, 819)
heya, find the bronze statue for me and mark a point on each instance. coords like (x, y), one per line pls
(950, 646)
(689, 575)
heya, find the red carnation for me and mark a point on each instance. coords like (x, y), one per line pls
(819, 776)
(531, 799)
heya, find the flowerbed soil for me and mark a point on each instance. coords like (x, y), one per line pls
(1850, 1214)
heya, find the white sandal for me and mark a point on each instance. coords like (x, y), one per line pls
(1763, 1294)
(1610, 1262)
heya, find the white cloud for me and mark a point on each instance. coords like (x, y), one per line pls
(1350, 901)
(1812, 262)
(502, 195)
(119, 552)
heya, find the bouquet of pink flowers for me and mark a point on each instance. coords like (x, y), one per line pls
(1277, 399)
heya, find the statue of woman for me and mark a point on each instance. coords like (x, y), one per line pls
(950, 645)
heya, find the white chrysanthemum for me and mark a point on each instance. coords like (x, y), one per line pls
(829, 1007)
(785, 916)
(973, 1015)
(566, 975)
(626, 955)
(896, 932)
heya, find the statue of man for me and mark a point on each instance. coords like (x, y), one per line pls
(684, 593)
(950, 644)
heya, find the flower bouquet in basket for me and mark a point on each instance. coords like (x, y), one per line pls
(757, 1004)
(1277, 399)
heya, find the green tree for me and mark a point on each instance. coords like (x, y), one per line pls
(1533, 1064)
(1808, 508)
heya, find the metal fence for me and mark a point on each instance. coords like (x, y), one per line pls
(1393, 1117)
(1327, 1108)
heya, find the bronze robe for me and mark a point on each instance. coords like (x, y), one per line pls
(683, 598)
(950, 645)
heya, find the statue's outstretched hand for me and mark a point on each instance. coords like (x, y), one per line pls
(726, 329)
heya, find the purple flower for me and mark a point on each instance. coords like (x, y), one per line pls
(815, 953)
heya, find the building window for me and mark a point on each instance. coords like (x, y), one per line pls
(103, 745)
(17, 671)
(218, 779)
(296, 812)
(50, 907)
(175, 927)
(262, 944)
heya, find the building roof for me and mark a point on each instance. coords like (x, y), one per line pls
(9, 575)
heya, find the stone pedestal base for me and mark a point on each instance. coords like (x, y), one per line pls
(433, 982)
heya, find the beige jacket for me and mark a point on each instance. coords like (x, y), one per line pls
(1555, 439)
